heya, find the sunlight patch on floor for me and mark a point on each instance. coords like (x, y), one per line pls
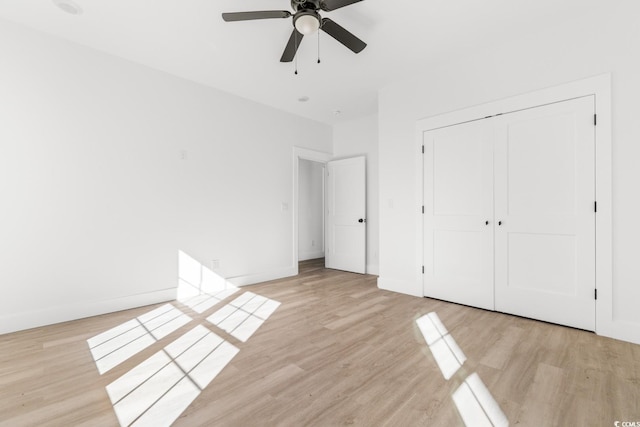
(203, 302)
(472, 398)
(444, 348)
(242, 317)
(118, 344)
(476, 405)
(158, 390)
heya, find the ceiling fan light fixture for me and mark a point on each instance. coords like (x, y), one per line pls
(307, 22)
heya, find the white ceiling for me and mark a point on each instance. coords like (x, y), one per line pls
(188, 38)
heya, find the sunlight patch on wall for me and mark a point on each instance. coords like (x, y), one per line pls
(199, 288)
(116, 345)
(444, 348)
(244, 315)
(476, 405)
(158, 390)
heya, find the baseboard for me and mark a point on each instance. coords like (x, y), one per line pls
(252, 279)
(372, 269)
(620, 330)
(80, 310)
(303, 256)
(400, 286)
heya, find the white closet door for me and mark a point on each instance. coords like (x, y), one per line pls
(458, 217)
(544, 199)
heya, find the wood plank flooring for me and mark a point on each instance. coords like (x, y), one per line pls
(338, 351)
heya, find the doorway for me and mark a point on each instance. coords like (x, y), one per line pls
(343, 214)
(301, 155)
(310, 210)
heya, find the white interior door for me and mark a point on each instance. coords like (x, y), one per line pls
(544, 203)
(346, 215)
(458, 214)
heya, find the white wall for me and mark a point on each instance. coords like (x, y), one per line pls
(359, 137)
(310, 210)
(597, 42)
(96, 200)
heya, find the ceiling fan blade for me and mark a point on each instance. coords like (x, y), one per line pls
(329, 5)
(259, 14)
(292, 46)
(342, 35)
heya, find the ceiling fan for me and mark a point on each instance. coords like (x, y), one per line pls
(306, 20)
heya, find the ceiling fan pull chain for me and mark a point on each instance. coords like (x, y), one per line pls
(318, 47)
(295, 58)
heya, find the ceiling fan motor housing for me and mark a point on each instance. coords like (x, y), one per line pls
(299, 5)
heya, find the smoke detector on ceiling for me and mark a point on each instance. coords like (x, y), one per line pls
(68, 6)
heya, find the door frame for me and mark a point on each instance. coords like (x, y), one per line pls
(600, 86)
(314, 156)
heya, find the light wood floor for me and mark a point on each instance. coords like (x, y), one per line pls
(339, 351)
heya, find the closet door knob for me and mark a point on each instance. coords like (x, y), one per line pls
(486, 223)
(499, 222)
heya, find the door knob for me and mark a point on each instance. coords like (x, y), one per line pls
(499, 222)
(486, 223)
(361, 220)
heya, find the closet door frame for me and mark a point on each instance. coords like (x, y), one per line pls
(600, 86)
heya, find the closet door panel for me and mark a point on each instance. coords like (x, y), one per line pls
(544, 199)
(458, 224)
